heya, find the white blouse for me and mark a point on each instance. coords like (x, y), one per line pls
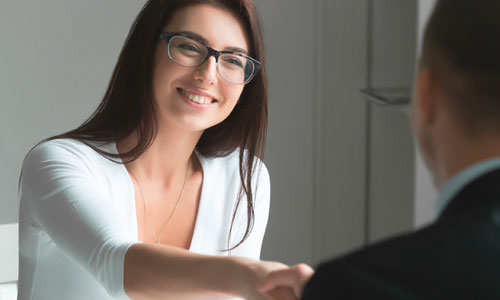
(77, 219)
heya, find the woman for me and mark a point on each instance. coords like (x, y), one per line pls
(165, 165)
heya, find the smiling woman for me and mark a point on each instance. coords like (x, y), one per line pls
(161, 193)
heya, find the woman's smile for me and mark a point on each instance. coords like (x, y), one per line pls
(197, 99)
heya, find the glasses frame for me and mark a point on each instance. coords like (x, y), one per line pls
(167, 36)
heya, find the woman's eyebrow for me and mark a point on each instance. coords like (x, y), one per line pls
(204, 41)
(195, 36)
(236, 49)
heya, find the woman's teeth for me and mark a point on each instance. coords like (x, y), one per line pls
(197, 98)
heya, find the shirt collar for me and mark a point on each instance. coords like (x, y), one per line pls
(459, 181)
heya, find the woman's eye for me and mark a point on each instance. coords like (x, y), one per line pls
(234, 61)
(189, 47)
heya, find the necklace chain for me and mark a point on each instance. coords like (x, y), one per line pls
(149, 217)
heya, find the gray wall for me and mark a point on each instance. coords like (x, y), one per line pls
(290, 46)
(341, 170)
(425, 192)
(391, 166)
(56, 58)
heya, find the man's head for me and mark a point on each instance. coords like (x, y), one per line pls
(457, 88)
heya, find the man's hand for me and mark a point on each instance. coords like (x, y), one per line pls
(294, 277)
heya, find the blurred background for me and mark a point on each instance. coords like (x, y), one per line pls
(344, 170)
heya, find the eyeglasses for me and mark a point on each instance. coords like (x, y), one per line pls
(233, 67)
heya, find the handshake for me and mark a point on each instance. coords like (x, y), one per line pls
(284, 283)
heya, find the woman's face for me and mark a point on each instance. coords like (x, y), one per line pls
(174, 85)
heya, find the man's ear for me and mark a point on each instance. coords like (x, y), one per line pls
(425, 96)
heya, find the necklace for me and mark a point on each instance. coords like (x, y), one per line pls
(150, 219)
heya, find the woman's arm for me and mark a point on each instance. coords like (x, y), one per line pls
(161, 272)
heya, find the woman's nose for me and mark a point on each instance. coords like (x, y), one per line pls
(206, 73)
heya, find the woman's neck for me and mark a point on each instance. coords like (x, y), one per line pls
(166, 159)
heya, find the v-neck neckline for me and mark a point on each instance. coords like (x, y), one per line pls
(200, 204)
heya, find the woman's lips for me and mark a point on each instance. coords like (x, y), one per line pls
(197, 97)
(196, 100)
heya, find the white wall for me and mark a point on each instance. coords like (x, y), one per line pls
(8, 253)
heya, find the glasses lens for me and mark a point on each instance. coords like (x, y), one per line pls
(186, 51)
(236, 68)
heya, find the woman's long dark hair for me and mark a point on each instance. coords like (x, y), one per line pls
(128, 102)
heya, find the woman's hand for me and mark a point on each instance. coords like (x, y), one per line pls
(253, 273)
(294, 278)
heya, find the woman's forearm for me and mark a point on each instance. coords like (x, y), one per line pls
(161, 272)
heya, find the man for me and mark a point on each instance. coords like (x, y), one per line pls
(456, 122)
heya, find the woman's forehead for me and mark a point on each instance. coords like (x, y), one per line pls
(218, 26)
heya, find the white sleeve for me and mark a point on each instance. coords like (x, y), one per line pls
(60, 195)
(251, 247)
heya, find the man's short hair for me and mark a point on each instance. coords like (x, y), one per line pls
(462, 47)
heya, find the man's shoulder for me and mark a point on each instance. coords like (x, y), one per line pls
(433, 262)
(402, 254)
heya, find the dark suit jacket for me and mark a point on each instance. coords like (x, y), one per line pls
(457, 257)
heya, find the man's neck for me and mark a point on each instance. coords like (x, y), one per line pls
(456, 157)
